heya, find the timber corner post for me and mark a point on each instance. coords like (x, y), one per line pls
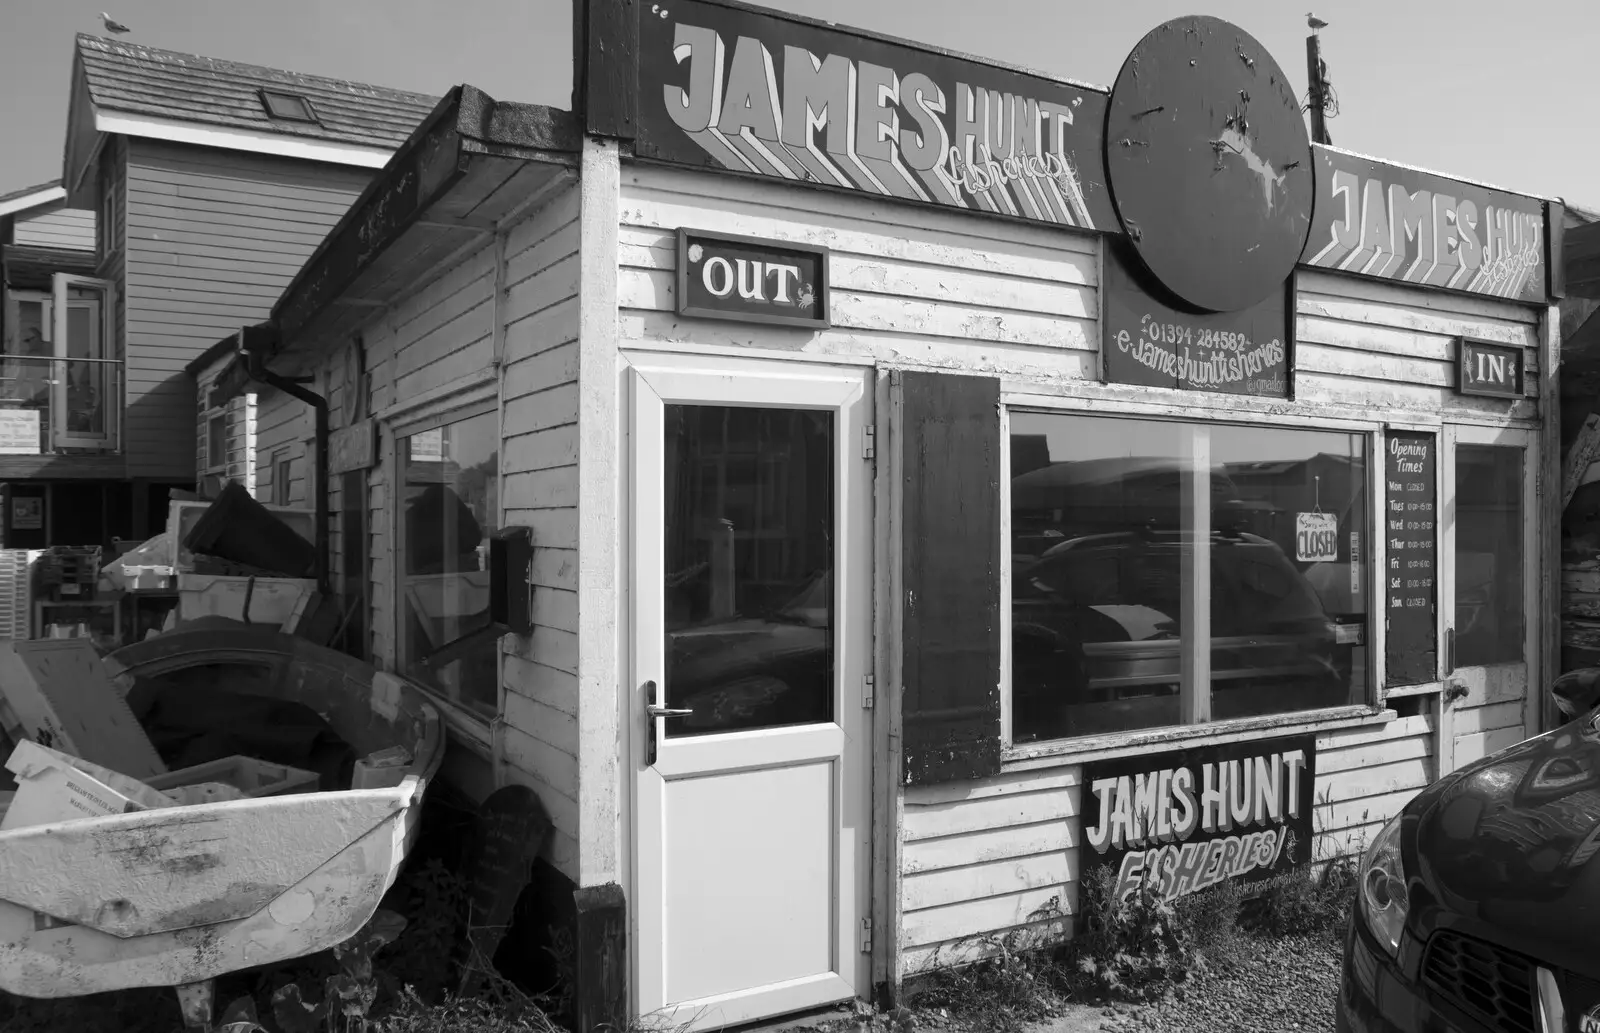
(605, 100)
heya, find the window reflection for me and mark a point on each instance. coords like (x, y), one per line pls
(1102, 534)
(451, 483)
(749, 567)
(1488, 560)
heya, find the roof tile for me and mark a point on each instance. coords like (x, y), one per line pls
(142, 80)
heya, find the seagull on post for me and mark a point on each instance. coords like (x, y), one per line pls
(1315, 22)
(112, 25)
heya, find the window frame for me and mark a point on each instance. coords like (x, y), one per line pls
(282, 477)
(311, 117)
(397, 423)
(1371, 709)
(212, 465)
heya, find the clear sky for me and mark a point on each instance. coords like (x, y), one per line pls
(1502, 93)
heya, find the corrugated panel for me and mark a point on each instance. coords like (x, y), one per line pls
(16, 593)
(162, 83)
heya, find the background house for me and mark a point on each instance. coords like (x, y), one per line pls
(207, 184)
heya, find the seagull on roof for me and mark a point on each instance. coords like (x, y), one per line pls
(112, 25)
(1315, 22)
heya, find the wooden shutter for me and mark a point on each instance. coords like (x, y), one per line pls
(950, 539)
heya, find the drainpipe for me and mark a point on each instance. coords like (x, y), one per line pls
(292, 386)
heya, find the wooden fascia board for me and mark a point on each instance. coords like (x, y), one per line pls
(420, 173)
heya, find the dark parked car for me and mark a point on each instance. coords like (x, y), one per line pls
(1478, 906)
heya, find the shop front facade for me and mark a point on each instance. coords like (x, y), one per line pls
(926, 513)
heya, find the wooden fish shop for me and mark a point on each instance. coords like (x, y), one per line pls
(792, 464)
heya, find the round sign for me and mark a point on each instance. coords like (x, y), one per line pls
(1209, 163)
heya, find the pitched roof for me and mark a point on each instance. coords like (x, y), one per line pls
(31, 197)
(164, 84)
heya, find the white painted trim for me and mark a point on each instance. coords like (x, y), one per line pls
(602, 769)
(230, 139)
(37, 199)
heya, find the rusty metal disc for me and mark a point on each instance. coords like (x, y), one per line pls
(1209, 163)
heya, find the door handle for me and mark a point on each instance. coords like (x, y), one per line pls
(651, 712)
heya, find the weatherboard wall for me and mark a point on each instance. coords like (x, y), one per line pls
(915, 287)
(213, 237)
(439, 342)
(61, 228)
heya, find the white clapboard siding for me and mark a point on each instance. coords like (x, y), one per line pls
(941, 290)
(66, 229)
(1371, 345)
(991, 858)
(539, 468)
(1365, 775)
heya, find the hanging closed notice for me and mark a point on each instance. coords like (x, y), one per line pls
(1316, 537)
(1410, 529)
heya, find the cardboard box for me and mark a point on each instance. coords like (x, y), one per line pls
(52, 787)
(58, 693)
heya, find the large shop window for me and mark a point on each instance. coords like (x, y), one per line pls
(451, 482)
(1119, 622)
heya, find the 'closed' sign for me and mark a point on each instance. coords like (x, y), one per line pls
(1316, 537)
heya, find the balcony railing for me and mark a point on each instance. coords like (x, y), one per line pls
(78, 403)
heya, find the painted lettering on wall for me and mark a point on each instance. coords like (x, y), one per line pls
(760, 94)
(1183, 821)
(1399, 224)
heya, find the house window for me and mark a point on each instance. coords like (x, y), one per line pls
(282, 472)
(450, 506)
(1119, 622)
(290, 107)
(217, 443)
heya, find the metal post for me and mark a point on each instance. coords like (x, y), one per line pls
(1314, 76)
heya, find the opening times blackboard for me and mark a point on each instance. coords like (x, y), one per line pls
(1411, 534)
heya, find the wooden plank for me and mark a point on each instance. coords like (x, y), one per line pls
(1478, 745)
(1583, 450)
(988, 845)
(541, 409)
(948, 819)
(952, 953)
(1332, 762)
(977, 881)
(1311, 281)
(555, 766)
(1399, 728)
(543, 722)
(542, 371)
(1361, 811)
(1419, 322)
(976, 917)
(995, 785)
(557, 241)
(542, 450)
(1488, 718)
(1375, 780)
(556, 487)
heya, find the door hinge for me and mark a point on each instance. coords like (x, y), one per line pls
(869, 443)
(868, 685)
(866, 935)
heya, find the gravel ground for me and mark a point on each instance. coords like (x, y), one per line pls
(1269, 985)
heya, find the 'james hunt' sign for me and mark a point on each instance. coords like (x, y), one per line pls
(1187, 820)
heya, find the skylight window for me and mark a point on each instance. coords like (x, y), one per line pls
(291, 107)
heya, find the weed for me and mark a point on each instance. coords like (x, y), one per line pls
(1012, 985)
(1132, 949)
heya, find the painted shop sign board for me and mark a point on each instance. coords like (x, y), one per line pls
(751, 280)
(1395, 223)
(1183, 821)
(797, 101)
(353, 448)
(1411, 534)
(1155, 344)
(1492, 370)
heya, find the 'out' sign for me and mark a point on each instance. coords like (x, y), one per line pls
(754, 281)
(1490, 369)
(1316, 537)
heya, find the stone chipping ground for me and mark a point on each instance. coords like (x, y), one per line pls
(1270, 984)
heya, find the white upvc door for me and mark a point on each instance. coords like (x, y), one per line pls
(1489, 591)
(85, 383)
(751, 623)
